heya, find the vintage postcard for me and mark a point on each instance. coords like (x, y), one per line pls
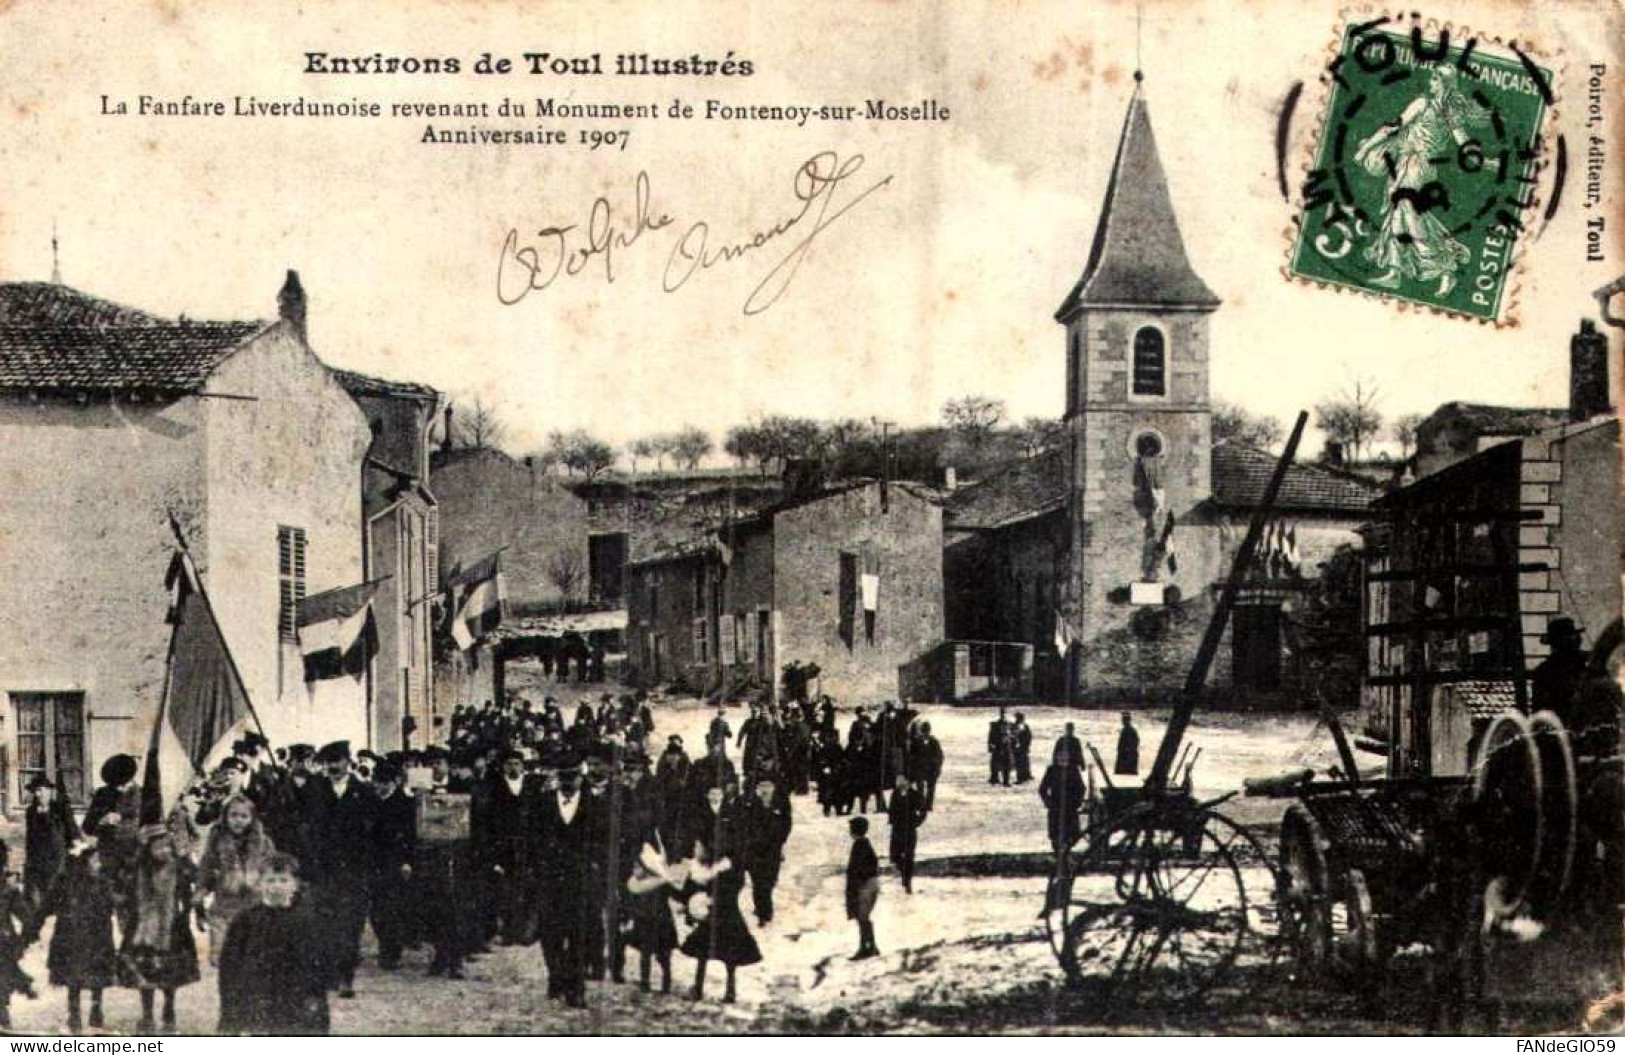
(1094, 517)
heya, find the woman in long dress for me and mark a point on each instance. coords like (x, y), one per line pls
(1414, 243)
(712, 895)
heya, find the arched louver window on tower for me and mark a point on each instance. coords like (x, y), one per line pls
(1150, 362)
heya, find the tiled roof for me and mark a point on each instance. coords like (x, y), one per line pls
(366, 385)
(1489, 420)
(53, 338)
(47, 304)
(1023, 488)
(1241, 473)
(1137, 256)
(1037, 485)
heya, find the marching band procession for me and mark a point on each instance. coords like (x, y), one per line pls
(577, 837)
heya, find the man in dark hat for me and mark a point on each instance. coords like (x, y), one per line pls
(509, 797)
(564, 842)
(1127, 762)
(763, 824)
(51, 834)
(396, 839)
(343, 858)
(629, 823)
(1556, 680)
(670, 792)
(1000, 750)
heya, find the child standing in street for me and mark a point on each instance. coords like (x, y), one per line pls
(81, 955)
(862, 886)
(14, 914)
(158, 951)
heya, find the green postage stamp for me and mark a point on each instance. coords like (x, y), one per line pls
(1423, 180)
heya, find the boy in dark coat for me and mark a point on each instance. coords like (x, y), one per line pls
(274, 970)
(906, 813)
(862, 886)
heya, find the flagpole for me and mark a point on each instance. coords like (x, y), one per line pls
(151, 780)
(230, 659)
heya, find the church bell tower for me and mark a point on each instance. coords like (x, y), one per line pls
(1138, 416)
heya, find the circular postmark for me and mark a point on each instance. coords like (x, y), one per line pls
(1424, 179)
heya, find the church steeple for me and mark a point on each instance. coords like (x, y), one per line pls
(1137, 258)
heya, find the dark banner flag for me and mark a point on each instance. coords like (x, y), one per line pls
(203, 700)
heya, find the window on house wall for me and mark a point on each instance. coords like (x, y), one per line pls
(51, 740)
(746, 635)
(702, 641)
(725, 640)
(699, 588)
(606, 558)
(290, 556)
(1150, 363)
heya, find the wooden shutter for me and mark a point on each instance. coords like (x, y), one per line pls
(431, 546)
(290, 553)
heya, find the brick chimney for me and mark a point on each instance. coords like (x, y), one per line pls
(290, 305)
(1333, 454)
(445, 438)
(1588, 373)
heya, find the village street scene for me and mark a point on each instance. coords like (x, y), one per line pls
(339, 703)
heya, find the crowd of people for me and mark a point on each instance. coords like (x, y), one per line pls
(572, 834)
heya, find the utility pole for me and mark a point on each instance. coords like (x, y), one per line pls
(885, 428)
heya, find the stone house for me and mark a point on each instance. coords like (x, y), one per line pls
(112, 422)
(1470, 564)
(402, 554)
(848, 578)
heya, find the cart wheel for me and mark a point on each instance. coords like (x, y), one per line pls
(1508, 801)
(1561, 806)
(1305, 927)
(1151, 903)
(1361, 947)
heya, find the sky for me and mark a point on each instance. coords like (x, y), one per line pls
(941, 281)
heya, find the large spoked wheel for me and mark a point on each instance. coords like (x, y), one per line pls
(1153, 901)
(1328, 925)
(1560, 806)
(1303, 904)
(1508, 803)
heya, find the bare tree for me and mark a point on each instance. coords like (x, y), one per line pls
(1351, 418)
(566, 571)
(973, 418)
(480, 425)
(1404, 432)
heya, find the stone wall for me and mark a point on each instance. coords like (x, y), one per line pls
(905, 542)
